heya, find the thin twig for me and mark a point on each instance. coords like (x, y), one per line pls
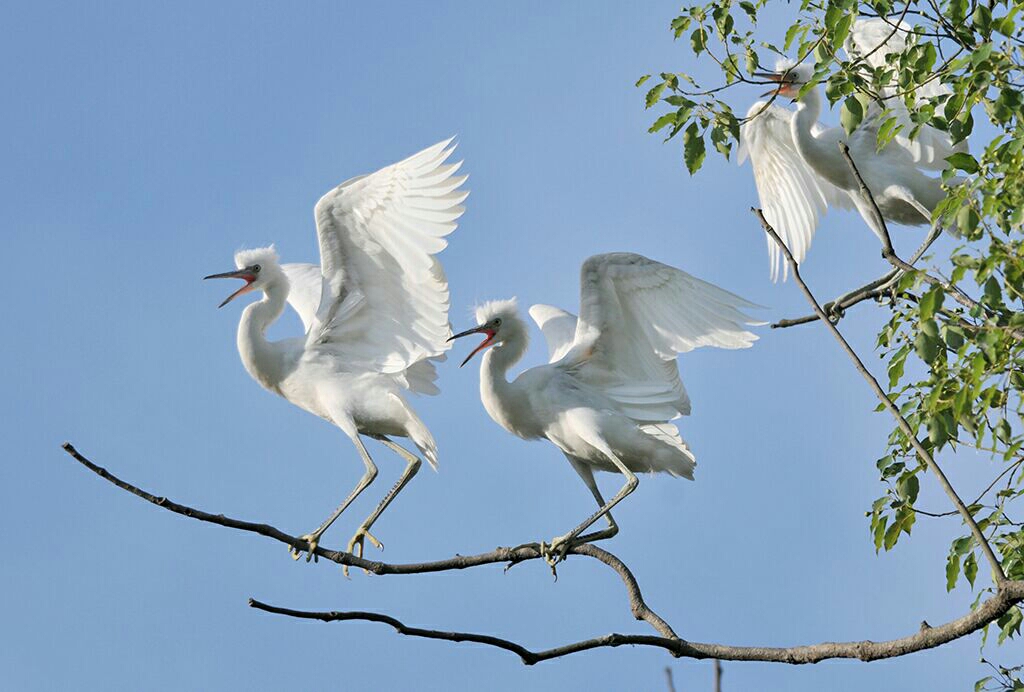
(997, 570)
(873, 289)
(890, 253)
(981, 495)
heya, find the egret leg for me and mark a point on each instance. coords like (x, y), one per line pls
(587, 475)
(556, 552)
(313, 539)
(412, 465)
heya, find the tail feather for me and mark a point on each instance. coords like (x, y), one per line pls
(679, 460)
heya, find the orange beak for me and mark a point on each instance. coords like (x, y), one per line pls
(785, 88)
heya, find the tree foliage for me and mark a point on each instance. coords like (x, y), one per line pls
(952, 344)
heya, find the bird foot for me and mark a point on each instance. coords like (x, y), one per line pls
(355, 546)
(556, 551)
(834, 311)
(312, 540)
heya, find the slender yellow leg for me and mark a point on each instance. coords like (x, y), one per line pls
(556, 551)
(313, 539)
(411, 467)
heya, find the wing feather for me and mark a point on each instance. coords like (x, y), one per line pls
(558, 327)
(880, 42)
(793, 197)
(636, 316)
(306, 284)
(384, 302)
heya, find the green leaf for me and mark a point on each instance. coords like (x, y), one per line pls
(963, 161)
(791, 33)
(930, 302)
(896, 365)
(879, 532)
(927, 347)
(889, 128)
(721, 140)
(851, 114)
(892, 534)
(667, 119)
(679, 101)
(993, 291)
(954, 337)
(1009, 624)
(971, 569)
(643, 79)
(908, 487)
(693, 148)
(654, 95)
(842, 29)
(698, 40)
(952, 571)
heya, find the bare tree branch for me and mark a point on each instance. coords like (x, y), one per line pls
(1008, 594)
(997, 569)
(509, 556)
(890, 253)
(877, 288)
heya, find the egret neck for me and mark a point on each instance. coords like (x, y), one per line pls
(821, 152)
(506, 403)
(262, 359)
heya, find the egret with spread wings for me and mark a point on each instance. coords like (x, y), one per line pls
(799, 171)
(612, 384)
(375, 313)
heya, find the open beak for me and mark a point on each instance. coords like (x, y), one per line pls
(774, 77)
(483, 344)
(245, 275)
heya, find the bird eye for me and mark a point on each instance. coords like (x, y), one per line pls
(497, 321)
(256, 268)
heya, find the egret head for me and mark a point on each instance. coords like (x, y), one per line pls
(258, 268)
(790, 77)
(499, 321)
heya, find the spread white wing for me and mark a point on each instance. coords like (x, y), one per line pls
(305, 284)
(384, 298)
(878, 43)
(558, 326)
(636, 316)
(304, 296)
(793, 196)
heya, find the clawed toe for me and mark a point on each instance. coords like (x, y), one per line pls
(355, 546)
(312, 541)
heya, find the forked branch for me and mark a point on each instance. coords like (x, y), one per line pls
(997, 569)
(1008, 595)
(895, 260)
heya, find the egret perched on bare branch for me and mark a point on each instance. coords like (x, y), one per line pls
(612, 383)
(375, 313)
(799, 171)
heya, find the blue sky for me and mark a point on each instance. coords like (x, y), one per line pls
(146, 143)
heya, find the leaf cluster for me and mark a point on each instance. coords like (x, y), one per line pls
(952, 345)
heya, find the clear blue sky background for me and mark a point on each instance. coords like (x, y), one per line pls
(145, 143)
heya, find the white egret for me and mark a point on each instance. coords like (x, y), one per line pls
(375, 313)
(612, 383)
(799, 171)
